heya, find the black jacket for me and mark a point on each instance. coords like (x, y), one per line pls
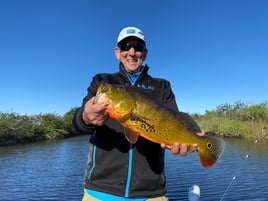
(114, 165)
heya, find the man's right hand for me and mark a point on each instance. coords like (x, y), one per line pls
(94, 114)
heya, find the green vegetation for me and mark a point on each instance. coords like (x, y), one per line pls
(16, 128)
(237, 120)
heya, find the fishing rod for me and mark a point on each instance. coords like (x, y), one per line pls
(263, 132)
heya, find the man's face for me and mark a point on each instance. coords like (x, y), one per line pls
(131, 54)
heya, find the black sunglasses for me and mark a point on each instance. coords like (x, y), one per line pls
(138, 47)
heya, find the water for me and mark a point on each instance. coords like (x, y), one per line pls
(250, 173)
(43, 171)
(54, 171)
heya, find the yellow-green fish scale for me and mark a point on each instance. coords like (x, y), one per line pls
(159, 123)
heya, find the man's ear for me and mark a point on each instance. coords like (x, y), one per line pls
(117, 52)
(145, 52)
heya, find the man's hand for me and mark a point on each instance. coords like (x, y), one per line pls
(94, 114)
(182, 149)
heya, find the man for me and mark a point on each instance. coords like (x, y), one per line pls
(117, 169)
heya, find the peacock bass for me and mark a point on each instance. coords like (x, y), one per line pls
(142, 115)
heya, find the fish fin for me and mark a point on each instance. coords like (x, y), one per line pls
(213, 150)
(131, 136)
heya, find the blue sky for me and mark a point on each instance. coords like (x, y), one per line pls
(212, 51)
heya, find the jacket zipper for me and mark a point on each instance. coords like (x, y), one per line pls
(129, 170)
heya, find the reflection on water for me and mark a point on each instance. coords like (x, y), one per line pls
(54, 171)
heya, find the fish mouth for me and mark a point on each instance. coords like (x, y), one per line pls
(101, 98)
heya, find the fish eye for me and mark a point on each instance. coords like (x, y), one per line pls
(121, 89)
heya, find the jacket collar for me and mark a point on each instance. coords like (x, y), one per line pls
(134, 77)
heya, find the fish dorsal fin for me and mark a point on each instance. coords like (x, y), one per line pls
(131, 136)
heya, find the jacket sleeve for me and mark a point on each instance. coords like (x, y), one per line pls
(78, 125)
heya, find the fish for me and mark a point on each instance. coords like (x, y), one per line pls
(141, 115)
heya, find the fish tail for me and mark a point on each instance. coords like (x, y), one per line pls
(211, 150)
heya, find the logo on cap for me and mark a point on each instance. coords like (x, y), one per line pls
(131, 31)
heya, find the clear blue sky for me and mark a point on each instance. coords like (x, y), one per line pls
(212, 51)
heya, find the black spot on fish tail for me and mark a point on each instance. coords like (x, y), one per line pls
(210, 151)
(217, 146)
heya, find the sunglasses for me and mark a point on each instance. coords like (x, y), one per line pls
(138, 47)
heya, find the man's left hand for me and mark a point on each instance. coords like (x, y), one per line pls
(182, 149)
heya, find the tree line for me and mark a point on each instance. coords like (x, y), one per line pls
(16, 128)
(233, 120)
(236, 120)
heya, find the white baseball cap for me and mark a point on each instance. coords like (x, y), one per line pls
(130, 31)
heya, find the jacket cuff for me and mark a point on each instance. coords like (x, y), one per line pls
(79, 125)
